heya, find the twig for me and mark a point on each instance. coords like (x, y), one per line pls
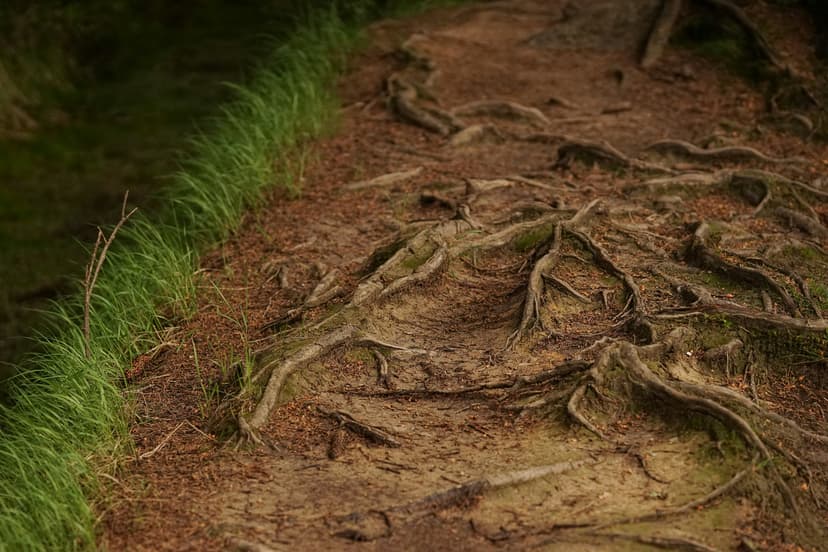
(162, 444)
(93, 269)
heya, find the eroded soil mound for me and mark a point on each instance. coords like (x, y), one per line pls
(533, 296)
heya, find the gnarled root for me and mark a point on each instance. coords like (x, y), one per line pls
(700, 253)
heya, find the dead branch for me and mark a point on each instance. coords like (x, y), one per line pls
(93, 269)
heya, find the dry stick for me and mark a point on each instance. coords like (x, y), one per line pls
(162, 444)
(370, 432)
(660, 33)
(93, 269)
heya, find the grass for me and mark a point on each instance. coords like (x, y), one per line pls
(64, 426)
(97, 136)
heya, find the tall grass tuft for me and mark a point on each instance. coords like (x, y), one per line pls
(64, 426)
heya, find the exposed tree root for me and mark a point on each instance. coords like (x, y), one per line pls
(762, 44)
(730, 153)
(602, 154)
(403, 99)
(383, 375)
(721, 490)
(803, 222)
(477, 134)
(658, 541)
(459, 496)
(372, 433)
(282, 369)
(242, 545)
(660, 33)
(700, 253)
(506, 110)
(385, 180)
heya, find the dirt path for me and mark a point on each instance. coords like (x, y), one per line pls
(538, 298)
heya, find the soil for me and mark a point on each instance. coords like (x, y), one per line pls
(506, 314)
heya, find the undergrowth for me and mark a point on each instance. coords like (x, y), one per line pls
(64, 429)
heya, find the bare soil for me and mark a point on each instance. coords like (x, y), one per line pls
(532, 296)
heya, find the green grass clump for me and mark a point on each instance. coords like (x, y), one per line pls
(64, 423)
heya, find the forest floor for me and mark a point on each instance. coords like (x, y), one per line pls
(532, 296)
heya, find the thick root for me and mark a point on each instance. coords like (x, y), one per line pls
(701, 254)
(660, 33)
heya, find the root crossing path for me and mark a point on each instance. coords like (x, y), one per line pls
(538, 293)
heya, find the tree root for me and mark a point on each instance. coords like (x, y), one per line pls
(730, 153)
(383, 375)
(477, 134)
(372, 433)
(282, 369)
(807, 224)
(635, 303)
(385, 180)
(603, 154)
(459, 496)
(403, 99)
(660, 33)
(762, 44)
(701, 254)
(685, 508)
(506, 110)
(658, 541)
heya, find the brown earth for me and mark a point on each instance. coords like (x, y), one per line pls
(591, 343)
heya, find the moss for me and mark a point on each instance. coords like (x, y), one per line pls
(530, 240)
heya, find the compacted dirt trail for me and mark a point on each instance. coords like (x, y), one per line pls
(532, 296)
